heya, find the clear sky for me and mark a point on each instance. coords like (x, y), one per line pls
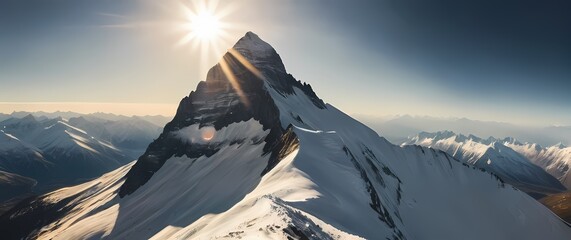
(489, 60)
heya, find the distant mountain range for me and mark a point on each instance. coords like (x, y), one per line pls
(556, 159)
(158, 120)
(398, 129)
(38, 154)
(528, 166)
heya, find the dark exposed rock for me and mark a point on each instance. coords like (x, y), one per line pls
(284, 146)
(294, 233)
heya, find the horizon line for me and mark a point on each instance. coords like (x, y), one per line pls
(118, 108)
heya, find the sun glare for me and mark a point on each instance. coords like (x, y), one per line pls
(205, 26)
(207, 32)
(205, 29)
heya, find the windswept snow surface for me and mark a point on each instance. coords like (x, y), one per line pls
(342, 182)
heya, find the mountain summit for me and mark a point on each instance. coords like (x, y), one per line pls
(254, 48)
(255, 154)
(235, 90)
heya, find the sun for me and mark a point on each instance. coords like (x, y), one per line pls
(208, 33)
(206, 29)
(205, 26)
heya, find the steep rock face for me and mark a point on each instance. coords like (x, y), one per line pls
(296, 169)
(492, 155)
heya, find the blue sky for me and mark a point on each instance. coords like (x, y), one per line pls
(488, 60)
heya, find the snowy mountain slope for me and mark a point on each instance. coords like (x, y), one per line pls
(21, 158)
(131, 135)
(492, 155)
(54, 153)
(78, 154)
(556, 159)
(255, 154)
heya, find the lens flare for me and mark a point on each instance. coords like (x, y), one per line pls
(207, 133)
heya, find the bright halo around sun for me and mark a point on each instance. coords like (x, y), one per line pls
(204, 26)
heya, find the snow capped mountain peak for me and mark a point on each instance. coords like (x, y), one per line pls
(236, 90)
(435, 135)
(257, 56)
(461, 138)
(252, 41)
(252, 46)
(449, 136)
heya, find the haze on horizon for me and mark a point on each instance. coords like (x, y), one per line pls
(374, 58)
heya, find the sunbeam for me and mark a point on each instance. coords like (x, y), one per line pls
(234, 81)
(246, 63)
